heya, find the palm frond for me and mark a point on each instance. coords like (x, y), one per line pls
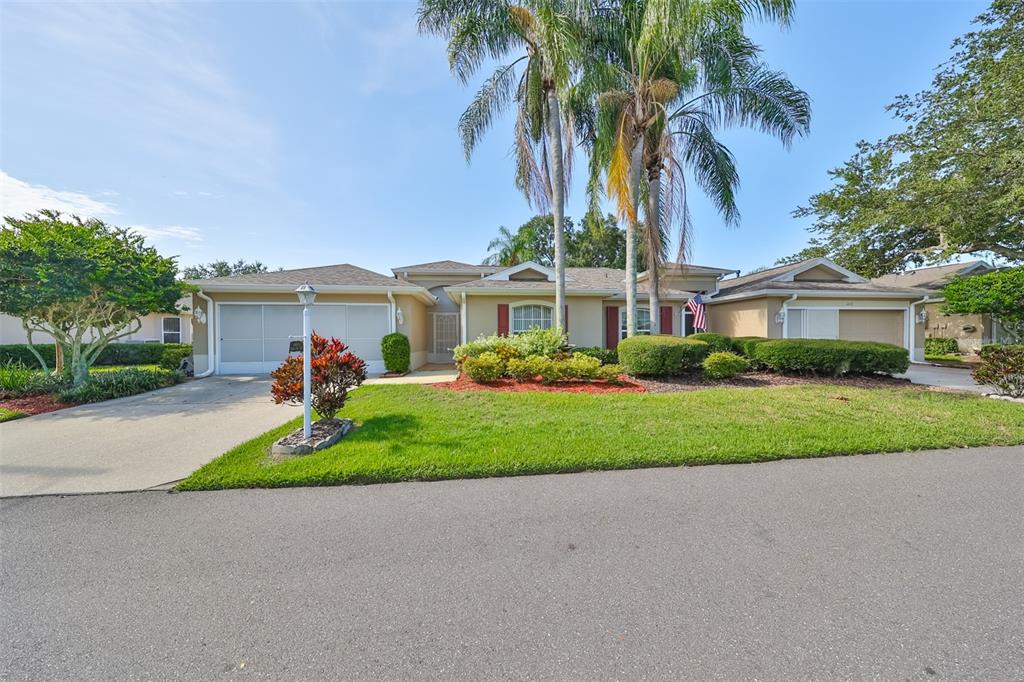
(711, 163)
(619, 171)
(490, 101)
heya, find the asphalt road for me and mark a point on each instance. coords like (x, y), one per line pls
(890, 567)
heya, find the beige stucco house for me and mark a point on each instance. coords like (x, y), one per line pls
(156, 328)
(243, 324)
(970, 331)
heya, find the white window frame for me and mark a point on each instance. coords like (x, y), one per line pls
(527, 304)
(639, 331)
(164, 332)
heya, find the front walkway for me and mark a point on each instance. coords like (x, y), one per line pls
(428, 374)
(135, 443)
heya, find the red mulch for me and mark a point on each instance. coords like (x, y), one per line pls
(510, 386)
(34, 404)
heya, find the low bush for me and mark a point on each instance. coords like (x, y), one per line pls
(744, 345)
(397, 352)
(1002, 368)
(717, 343)
(18, 380)
(610, 373)
(660, 355)
(543, 342)
(120, 384)
(484, 367)
(174, 353)
(725, 365)
(940, 346)
(334, 371)
(831, 357)
(607, 356)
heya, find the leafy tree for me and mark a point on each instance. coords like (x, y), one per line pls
(999, 293)
(545, 38)
(952, 182)
(83, 282)
(334, 371)
(599, 242)
(534, 240)
(222, 268)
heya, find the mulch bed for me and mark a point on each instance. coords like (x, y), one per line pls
(510, 386)
(696, 380)
(34, 404)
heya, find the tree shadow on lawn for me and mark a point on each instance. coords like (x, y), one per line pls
(396, 430)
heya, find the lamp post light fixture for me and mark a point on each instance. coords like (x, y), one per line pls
(307, 295)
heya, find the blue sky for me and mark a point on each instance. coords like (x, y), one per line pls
(305, 134)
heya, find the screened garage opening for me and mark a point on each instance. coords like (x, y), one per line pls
(254, 337)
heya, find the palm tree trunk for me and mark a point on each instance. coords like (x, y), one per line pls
(635, 170)
(654, 246)
(557, 203)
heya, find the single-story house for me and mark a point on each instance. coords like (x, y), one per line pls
(155, 328)
(243, 323)
(970, 331)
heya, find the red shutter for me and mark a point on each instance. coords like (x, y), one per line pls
(666, 319)
(565, 319)
(611, 326)
(503, 319)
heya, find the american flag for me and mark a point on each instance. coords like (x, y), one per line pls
(696, 307)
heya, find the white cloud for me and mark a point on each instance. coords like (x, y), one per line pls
(18, 198)
(171, 87)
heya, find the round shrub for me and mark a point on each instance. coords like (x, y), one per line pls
(396, 351)
(484, 367)
(660, 355)
(724, 365)
(831, 357)
(1002, 367)
(173, 354)
(717, 343)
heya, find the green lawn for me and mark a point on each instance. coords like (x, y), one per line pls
(9, 415)
(424, 433)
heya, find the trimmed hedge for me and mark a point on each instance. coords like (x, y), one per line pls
(828, 357)
(660, 355)
(397, 352)
(717, 343)
(166, 355)
(607, 356)
(744, 345)
(940, 346)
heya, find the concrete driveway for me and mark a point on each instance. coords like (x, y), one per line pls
(887, 567)
(945, 377)
(135, 443)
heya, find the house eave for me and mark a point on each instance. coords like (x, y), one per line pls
(418, 292)
(812, 293)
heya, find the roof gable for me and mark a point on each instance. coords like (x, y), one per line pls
(934, 277)
(523, 272)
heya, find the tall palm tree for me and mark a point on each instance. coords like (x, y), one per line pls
(646, 54)
(731, 87)
(546, 36)
(506, 250)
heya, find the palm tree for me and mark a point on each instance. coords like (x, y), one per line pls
(731, 87)
(648, 52)
(546, 35)
(506, 249)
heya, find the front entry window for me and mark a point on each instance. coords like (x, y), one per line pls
(525, 317)
(643, 321)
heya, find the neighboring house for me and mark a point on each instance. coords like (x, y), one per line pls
(817, 298)
(970, 331)
(243, 324)
(156, 328)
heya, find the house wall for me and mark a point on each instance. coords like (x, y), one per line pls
(749, 317)
(11, 330)
(941, 325)
(586, 324)
(414, 323)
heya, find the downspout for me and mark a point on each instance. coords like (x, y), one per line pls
(785, 314)
(912, 323)
(391, 307)
(210, 364)
(463, 316)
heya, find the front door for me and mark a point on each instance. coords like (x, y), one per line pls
(445, 336)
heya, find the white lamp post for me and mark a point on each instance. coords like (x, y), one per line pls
(307, 295)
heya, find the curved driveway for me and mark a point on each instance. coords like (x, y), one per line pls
(135, 443)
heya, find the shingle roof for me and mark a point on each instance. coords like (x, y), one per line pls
(765, 279)
(342, 274)
(448, 266)
(932, 278)
(576, 279)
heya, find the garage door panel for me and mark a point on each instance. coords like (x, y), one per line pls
(330, 320)
(241, 350)
(241, 322)
(367, 321)
(367, 349)
(885, 326)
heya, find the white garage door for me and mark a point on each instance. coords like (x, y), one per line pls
(254, 337)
